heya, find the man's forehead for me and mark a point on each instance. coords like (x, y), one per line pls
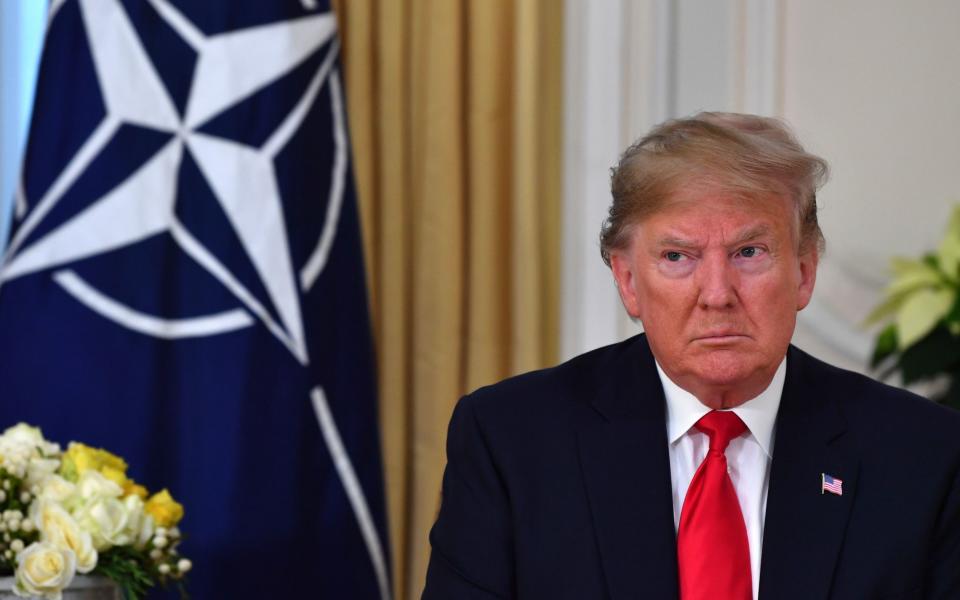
(684, 237)
(716, 215)
(710, 193)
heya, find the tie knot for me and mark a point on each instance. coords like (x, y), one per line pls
(721, 426)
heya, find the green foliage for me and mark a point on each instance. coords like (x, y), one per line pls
(124, 565)
(935, 354)
(136, 573)
(922, 307)
(886, 345)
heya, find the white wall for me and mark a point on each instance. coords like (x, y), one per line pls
(870, 85)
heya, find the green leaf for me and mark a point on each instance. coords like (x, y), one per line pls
(920, 314)
(126, 566)
(912, 275)
(904, 266)
(935, 354)
(886, 345)
(949, 250)
(886, 308)
(953, 317)
(932, 261)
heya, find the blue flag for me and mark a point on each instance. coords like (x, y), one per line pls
(184, 284)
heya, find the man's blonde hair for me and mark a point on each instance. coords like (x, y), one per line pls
(746, 155)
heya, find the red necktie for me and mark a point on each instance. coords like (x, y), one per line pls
(712, 547)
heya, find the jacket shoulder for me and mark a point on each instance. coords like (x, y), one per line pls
(876, 408)
(571, 383)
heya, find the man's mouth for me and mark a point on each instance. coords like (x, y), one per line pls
(724, 336)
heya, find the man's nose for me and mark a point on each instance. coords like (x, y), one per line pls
(718, 282)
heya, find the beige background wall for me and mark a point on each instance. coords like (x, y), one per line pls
(870, 85)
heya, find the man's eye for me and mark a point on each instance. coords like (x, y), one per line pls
(749, 251)
(673, 256)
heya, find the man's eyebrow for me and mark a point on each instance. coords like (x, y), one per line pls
(746, 235)
(750, 234)
(675, 242)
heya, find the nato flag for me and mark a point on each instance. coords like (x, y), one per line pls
(184, 284)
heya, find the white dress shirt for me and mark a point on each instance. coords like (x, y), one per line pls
(748, 456)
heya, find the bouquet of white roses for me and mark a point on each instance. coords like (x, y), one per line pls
(63, 513)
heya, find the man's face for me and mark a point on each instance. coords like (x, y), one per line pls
(717, 281)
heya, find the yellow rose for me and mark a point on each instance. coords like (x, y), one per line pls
(80, 458)
(44, 570)
(132, 488)
(115, 475)
(57, 527)
(166, 511)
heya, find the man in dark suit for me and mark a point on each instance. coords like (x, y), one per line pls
(707, 458)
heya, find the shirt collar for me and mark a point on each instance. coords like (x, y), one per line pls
(758, 414)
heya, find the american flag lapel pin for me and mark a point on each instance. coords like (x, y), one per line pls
(829, 483)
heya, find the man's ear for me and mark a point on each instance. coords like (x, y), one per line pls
(625, 278)
(808, 277)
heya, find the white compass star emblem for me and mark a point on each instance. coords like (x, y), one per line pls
(230, 67)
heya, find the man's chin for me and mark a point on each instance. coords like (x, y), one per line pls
(725, 365)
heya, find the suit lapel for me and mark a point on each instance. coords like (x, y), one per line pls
(626, 470)
(804, 528)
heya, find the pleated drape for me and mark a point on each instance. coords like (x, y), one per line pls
(455, 120)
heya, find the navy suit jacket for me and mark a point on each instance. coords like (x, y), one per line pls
(557, 486)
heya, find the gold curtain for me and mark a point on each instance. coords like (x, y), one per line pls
(455, 120)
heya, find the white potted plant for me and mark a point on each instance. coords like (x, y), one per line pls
(921, 341)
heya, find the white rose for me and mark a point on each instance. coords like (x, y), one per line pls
(147, 526)
(140, 524)
(57, 489)
(93, 485)
(44, 570)
(16, 456)
(24, 435)
(59, 528)
(38, 469)
(106, 519)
